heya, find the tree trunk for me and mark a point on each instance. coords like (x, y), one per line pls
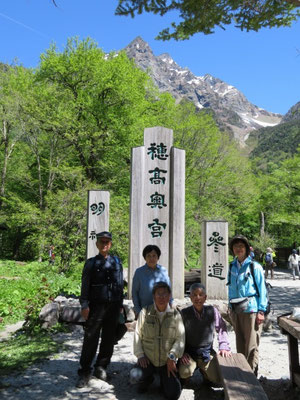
(4, 168)
(262, 224)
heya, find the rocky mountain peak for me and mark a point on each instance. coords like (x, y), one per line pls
(138, 46)
(165, 57)
(231, 108)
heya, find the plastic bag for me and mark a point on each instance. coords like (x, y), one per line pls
(295, 314)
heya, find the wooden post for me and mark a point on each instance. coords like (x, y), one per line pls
(215, 258)
(157, 205)
(98, 218)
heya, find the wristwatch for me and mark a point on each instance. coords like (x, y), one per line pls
(172, 357)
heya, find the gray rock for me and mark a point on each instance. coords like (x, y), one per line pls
(49, 314)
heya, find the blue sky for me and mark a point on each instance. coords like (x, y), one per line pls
(264, 66)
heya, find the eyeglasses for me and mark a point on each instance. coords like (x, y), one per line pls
(104, 241)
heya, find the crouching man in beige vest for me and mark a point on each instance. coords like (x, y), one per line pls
(159, 342)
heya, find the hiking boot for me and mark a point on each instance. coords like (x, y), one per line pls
(100, 373)
(82, 381)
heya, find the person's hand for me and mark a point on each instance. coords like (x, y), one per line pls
(225, 353)
(171, 367)
(260, 317)
(185, 359)
(143, 362)
(85, 313)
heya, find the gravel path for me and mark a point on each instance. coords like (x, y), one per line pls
(55, 377)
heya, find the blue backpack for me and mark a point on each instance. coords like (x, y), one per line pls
(268, 258)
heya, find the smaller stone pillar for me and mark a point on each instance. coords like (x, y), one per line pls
(215, 258)
(97, 218)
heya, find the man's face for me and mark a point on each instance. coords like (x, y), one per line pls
(161, 298)
(103, 244)
(198, 298)
(239, 250)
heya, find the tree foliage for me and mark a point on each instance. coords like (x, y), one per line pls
(69, 125)
(280, 200)
(204, 16)
(275, 144)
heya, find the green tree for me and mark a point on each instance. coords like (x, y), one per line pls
(203, 16)
(219, 181)
(99, 100)
(11, 124)
(82, 112)
(280, 200)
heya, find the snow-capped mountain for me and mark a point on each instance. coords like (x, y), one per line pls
(232, 110)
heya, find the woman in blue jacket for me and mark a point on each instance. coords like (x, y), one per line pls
(247, 299)
(145, 278)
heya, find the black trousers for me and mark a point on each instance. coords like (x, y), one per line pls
(102, 316)
(171, 386)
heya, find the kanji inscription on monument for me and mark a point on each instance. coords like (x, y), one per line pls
(98, 218)
(215, 258)
(157, 189)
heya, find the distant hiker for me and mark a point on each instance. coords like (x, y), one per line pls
(269, 263)
(51, 255)
(252, 255)
(247, 300)
(294, 260)
(101, 300)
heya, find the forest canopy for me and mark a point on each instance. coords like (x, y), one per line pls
(68, 126)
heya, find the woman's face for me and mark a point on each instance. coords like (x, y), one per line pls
(151, 259)
(239, 250)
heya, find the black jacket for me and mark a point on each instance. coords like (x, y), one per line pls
(102, 281)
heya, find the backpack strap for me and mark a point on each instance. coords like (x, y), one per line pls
(117, 260)
(229, 274)
(254, 281)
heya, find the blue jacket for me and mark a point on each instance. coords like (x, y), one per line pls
(241, 284)
(143, 281)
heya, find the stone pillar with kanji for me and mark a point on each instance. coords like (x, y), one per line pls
(157, 205)
(215, 258)
(97, 220)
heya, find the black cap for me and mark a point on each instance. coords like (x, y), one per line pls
(240, 238)
(104, 234)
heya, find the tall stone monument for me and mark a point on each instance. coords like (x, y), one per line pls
(98, 218)
(215, 258)
(158, 204)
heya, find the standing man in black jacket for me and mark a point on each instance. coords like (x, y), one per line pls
(101, 299)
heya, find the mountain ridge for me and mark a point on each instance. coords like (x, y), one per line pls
(230, 106)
